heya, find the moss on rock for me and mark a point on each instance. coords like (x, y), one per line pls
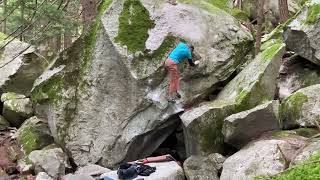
(290, 109)
(270, 52)
(134, 24)
(308, 170)
(34, 134)
(313, 14)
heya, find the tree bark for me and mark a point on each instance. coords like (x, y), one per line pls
(22, 6)
(67, 40)
(260, 20)
(283, 10)
(89, 11)
(4, 27)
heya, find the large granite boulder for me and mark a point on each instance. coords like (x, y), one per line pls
(34, 134)
(52, 161)
(16, 108)
(239, 129)
(302, 108)
(264, 157)
(303, 33)
(203, 167)
(20, 66)
(164, 171)
(253, 86)
(296, 73)
(105, 97)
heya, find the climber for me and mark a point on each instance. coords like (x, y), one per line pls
(177, 56)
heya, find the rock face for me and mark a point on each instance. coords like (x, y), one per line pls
(261, 157)
(34, 134)
(165, 171)
(204, 168)
(302, 108)
(51, 161)
(84, 93)
(254, 85)
(297, 73)
(302, 35)
(16, 108)
(20, 66)
(239, 129)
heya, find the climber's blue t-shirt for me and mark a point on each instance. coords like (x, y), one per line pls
(180, 53)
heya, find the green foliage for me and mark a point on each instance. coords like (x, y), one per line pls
(313, 14)
(240, 15)
(2, 36)
(134, 23)
(62, 21)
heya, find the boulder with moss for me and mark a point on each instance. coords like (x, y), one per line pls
(251, 87)
(106, 94)
(311, 149)
(267, 156)
(16, 108)
(302, 108)
(51, 160)
(20, 66)
(303, 33)
(239, 129)
(297, 73)
(34, 134)
(203, 167)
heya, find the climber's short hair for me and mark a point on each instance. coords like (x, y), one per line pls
(191, 47)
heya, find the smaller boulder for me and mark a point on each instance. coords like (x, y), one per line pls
(239, 129)
(203, 167)
(309, 150)
(16, 108)
(52, 161)
(302, 108)
(34, 134)
(43, 176)
(92, 170)
(266, 156)
(164, 171)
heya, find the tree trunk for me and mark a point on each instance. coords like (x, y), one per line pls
(58, 44)
(239, 4)
(284, 11)
(22, 18)
(89, 11)
(260, 20)
(67, 41)
(4, 27)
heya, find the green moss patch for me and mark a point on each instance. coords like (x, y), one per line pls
(34, 135)
(313, 14)
(290, 109)
(308, 170)
(240, 15)
(270, 52)
(134, 24)
(2, 36)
